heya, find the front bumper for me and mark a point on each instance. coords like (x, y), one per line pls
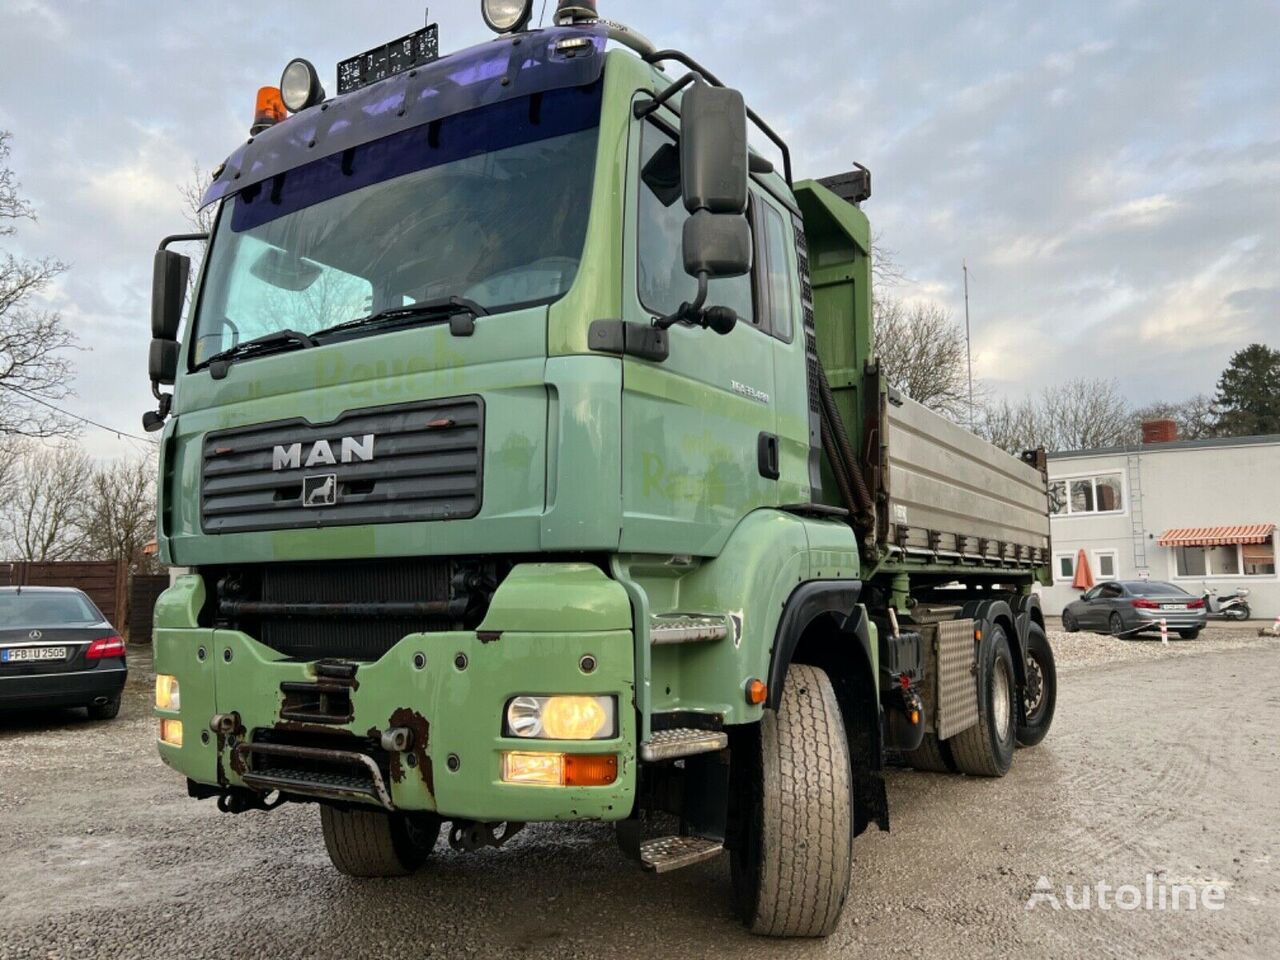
(449, 689)
(61, 689)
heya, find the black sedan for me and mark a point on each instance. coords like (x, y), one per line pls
(1124, 608)
(58, 650)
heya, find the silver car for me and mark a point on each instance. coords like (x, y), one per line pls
(1124, 608)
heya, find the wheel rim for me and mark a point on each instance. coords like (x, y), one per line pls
(1117, 628)
(1035, 689)
(1000, 708)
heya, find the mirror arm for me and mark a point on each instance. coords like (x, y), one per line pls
(646, 107)
(182, 238)
(153, 420)
(687, 311)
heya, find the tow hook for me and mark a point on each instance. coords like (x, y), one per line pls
(225, 724)
(468, 836)
(397, 740)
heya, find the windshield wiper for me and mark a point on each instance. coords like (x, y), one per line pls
(460, 312)
(276, 342)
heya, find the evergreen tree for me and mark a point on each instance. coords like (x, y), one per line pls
(1248, 399)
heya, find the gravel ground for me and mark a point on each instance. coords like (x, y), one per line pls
(1162, 761)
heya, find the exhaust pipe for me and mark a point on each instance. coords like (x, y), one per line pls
(99, 701)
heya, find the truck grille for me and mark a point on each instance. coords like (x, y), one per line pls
(354, 637)
(424, 462)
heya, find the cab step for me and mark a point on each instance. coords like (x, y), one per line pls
(679, 628)
(684, 742)
(664, 854)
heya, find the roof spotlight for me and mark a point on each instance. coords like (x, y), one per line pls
(300, 86)
(506, 16)
(571, 11)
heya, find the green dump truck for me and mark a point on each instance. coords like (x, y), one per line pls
(527, 459)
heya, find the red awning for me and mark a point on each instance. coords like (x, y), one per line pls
(1217, 536)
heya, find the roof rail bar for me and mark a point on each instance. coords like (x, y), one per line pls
(684, 59)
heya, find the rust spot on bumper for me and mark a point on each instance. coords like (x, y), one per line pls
(421, 727)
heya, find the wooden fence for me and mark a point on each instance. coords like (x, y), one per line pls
(143, 593)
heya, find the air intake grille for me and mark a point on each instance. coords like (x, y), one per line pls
(349, 637)
(385, 465)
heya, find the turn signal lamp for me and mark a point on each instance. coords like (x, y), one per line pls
(562, 718)
(167, 694)
(559, 769)
(171, 732)
(757, 692)
(269, 111)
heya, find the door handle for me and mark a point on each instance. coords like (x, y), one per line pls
(767, 456)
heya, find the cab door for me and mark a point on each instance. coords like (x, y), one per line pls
(699, 435)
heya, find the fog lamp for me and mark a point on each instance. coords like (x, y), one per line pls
(506, 16)
(300, 86)
(171, 732)
(167, 693)
(562, 718)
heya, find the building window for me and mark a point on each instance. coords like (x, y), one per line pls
(1231, 560)
(1259, 558)
(1100, 494)
(1105, 561)
(1064, 566)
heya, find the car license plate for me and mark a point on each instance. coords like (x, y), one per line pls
(1173, 606)
(32, 654)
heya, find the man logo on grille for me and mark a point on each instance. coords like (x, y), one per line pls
(320, 491)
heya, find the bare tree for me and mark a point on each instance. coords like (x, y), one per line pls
(34, 367)
(43, 515)
(922, 353)
(1196, 417)
(1080, 414)
(121, 518)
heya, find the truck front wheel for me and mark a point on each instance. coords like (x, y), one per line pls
(793, 817)
(986, 748)
(370, 843)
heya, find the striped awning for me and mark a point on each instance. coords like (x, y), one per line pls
(1217, 536)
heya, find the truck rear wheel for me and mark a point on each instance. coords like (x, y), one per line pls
(792, 854)
(1042, 688)
(986, 748)
(370, 843)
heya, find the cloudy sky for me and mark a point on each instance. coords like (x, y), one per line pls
(1110, 170)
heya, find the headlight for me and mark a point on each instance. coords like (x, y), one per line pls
(300, 86)
(562, 718)
(167, 694)
(506, 16)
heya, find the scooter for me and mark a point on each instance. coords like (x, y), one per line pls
(1232, 607)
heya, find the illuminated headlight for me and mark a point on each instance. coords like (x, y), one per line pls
(300, 86)
(562, 718)
(171, 732)
(167, 694)
(506, 16)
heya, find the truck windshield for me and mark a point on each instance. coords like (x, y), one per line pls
(490, 205)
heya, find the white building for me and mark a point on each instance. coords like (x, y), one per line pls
(1196, 513)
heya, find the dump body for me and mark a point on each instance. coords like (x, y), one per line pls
(950, 493)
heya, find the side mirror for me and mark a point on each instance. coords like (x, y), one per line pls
(717, 245)
(168, 292)
(162, 363)
(713, 150)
